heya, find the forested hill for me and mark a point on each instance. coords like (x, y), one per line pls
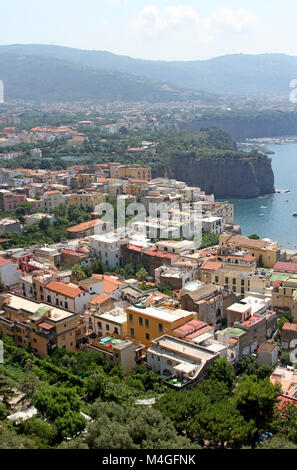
(47, 79)
(244, 124)
(242, 74)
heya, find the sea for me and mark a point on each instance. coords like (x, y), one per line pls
(271, 216)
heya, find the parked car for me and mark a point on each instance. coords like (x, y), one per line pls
(265, 436)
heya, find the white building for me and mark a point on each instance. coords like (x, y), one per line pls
(181, 363)
(9, 274)
(107, 248)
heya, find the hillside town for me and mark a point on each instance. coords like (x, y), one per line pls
(160, 302)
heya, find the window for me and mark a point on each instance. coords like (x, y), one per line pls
(146, 323)
(140, 321)
(226, 280)
(132, 334)
(216, 279)
(234, 281)
(130, 318)
(66, 304)
(107, 327)
(99, 324)
(147, 336)
(160, 327)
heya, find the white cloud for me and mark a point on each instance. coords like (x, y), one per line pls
(151, 21)
(224, 20)
(181, 14)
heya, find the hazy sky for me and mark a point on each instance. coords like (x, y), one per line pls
(155, 29)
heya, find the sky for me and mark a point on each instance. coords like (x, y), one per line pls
(154, 29)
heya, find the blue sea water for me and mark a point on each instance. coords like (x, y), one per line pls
(277, 222)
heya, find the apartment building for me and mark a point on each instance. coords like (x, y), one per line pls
(107, 248)
(208, 300)
(146, 323)
(87, 229)
(9, 272)
(41, 328)
(284, 296)
(9, 201)
(86, 200)
(180, 363)
(135, 172)
(116, 350)
(51, 200)
(266, 252)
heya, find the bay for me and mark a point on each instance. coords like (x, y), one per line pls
(270, 216)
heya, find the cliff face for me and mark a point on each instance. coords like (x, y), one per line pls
(272, 125)
(246, 178)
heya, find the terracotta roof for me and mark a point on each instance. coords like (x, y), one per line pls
(282, 266)
(71, 252)
(64, 289)
(85, 226)
(109, 284)
(4, 262)
(46, 326)
(247, 242)
(200, 332)
(100, 299)
(212, 266)
(289, 327)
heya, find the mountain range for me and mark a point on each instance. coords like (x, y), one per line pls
(53, 72)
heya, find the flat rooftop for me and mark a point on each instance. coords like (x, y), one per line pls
(162, 313)
(179, 347)
(31, 307)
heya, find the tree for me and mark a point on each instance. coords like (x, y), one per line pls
(54, 402)
(285, 421)
(254, 237)
(9, 439)
(141, 275)
(44, 434)
(95, 386)
(249, 366)
(78, 273)
(131, 427)
(255, 400)
(222, 424)
(182, 409)
(70, 424)
(44, 224)
(221, 371)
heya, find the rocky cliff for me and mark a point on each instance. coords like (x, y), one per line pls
(244, 177)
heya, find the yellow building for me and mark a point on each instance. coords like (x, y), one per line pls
(135, 172)
(284, 296)
(84, 179)
(40, 327)
(148, 323)
(266, 251)
(86, 200)
(233, 279)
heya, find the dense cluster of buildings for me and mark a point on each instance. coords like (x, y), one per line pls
(225, 300)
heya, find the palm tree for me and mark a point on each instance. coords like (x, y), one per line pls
(141, 275)
(78, 273)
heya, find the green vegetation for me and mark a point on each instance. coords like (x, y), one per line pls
(46, 232)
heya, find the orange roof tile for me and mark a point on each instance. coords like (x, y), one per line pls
(109, 284)
(64, 289)
(85, 225)
(100, 299)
